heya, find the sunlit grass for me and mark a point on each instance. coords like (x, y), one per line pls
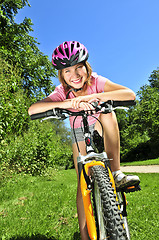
(39, 206)
(140, 163)
(143, 209)
(45, 207)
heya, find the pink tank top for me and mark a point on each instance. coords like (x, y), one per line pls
(97, 86)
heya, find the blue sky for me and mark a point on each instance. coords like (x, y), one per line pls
(122, 36)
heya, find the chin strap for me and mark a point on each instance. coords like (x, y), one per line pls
(74, 89)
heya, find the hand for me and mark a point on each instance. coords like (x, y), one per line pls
(75, 102)
(86, 106)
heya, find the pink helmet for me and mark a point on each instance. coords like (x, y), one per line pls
(69, 54)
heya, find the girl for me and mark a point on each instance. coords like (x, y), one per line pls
(79, 87)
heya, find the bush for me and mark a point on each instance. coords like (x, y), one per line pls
(13, 102)
(36, 150)
(27, 145)
(143, 151)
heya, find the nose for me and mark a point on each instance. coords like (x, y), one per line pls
(75, 74)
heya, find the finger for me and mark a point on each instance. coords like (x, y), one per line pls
(84, 106)
(87, 106)
(74, 103)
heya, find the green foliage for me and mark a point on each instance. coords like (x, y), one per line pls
(20, 49)
(13, 102)
(154, 79)
(149, 111)
(139, 126)
(38, 149)
(25, 74)
(9, 9)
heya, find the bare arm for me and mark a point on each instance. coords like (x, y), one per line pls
(112, 91)
(47, 104)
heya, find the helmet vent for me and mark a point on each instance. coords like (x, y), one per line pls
(67, 52)
(78, 45)
(72, 47)
(60, 50)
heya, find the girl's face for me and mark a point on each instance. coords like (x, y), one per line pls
(75, 76)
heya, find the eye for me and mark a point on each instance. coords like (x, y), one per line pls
(80, 66)
(67, 71)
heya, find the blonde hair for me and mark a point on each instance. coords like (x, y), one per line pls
(89, 73)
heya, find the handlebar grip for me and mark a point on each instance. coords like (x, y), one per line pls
(42, 114)
(124, 103)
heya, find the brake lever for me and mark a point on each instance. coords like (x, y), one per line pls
(55, 117)
(106, 107)
(95, 104)
(125, 108)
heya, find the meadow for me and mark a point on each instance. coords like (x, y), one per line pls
(44, 207)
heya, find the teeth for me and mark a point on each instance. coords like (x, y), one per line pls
(76, 81)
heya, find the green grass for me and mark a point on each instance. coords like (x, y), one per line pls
(44, 208)
(39, 207)
(143, 209)
(140, 163)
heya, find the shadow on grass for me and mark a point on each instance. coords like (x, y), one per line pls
(76, 236)
(35, 237)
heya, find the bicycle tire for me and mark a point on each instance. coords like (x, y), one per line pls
(110, 212)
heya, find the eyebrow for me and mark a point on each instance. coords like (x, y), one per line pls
(78, 64)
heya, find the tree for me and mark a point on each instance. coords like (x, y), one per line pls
(18, 48)
(139, 126)
(148, 116)
(154, 79)
(25, 74)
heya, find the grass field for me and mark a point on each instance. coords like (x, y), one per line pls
(44, 208)
(141, 163)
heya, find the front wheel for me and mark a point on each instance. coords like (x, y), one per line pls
(108, 216)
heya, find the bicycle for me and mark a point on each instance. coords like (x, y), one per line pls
(104, 205)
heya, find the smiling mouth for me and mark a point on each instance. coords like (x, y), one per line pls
(77, 81)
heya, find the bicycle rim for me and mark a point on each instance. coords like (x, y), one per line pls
(98, 211)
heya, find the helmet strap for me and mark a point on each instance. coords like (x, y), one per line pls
(74, 89)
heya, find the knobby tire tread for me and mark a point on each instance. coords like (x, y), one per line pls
(114, 225)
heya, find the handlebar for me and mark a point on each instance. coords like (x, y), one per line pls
(105, 107)
(122, 103)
